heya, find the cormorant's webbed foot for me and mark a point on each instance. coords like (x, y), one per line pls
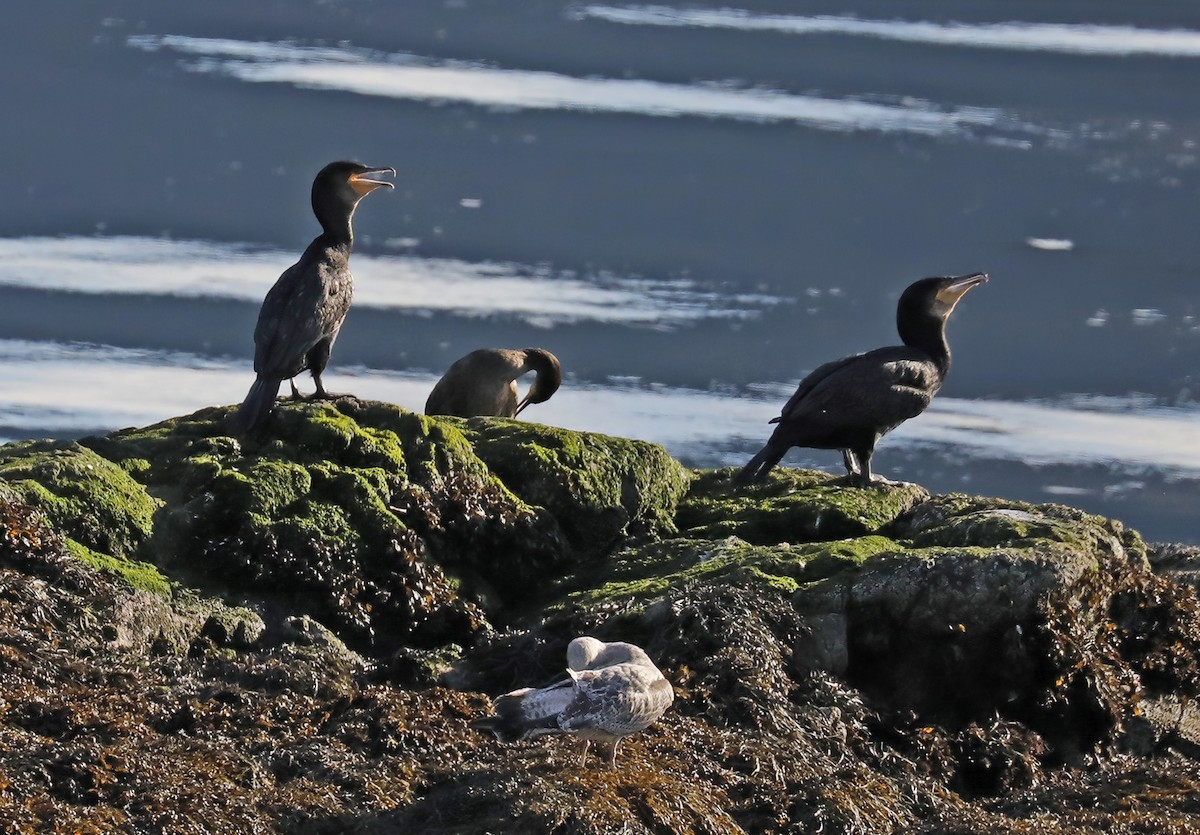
(321, 393)
(873, 480)
(880, 481)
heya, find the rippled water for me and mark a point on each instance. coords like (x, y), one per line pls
(1076, 38)
(539, 295)
(692, 205)
(404, 76)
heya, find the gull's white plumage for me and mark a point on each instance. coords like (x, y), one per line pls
(612, 690)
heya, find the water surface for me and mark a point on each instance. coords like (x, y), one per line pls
(691, 204)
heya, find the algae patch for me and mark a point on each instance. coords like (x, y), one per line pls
(86, 496)
(600, 489)
(790, 506)
(652, 570)
(138, 575)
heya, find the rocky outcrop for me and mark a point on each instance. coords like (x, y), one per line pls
(294, 631)
(391, 528)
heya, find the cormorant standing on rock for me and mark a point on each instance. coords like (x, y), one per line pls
(302, 314)
(849, 404)
(484, 382)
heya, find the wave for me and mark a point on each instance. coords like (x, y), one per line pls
(404, 76)
(1078, 39)
(539, 295)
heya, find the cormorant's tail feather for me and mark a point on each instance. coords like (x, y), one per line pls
(761, 464)
(258, 404)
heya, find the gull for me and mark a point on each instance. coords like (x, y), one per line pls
(612, 690)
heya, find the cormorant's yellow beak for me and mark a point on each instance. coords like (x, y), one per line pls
(366, 181)
(956, 289)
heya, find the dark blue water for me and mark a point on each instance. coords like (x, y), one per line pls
(691, 206)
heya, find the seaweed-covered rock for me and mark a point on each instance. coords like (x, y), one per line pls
(791, 505)
(966, 521)
(646, 571)
(267, 637)
(1177, 562)
(87, 497)
(391, 528)
(601, 489)
(968, 609)
(119, 614)
(319, 514)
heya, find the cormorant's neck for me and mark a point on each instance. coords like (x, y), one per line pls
(539, 362)
(336, 221)
(927, 334)
(549, 374)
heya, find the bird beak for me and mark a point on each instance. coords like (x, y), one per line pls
(956, 289)
(524, 402)
(367, 181)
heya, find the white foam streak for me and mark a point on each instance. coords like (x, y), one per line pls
(404, 76)
(156, 266)
(65, 389)
(1081, 39)
(1161, 438)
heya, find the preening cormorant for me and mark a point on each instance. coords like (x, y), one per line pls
(849, 404)
(484, 382)
(302, 314)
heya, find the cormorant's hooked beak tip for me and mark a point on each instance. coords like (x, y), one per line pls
(524, 402)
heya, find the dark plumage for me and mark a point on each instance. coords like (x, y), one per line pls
(484, 382)
(302, 314)
(849, 404)
(612, 690)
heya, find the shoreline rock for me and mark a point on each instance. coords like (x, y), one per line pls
(293, 632)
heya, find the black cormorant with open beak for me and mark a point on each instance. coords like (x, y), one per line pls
(302, 314)
(849, 404)
(484, 382)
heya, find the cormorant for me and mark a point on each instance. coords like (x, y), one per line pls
(302, 314)
(849, 404)
(484, 382)
(612, 690)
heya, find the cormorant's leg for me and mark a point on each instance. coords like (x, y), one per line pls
(583, 754)
(320, 393)
(317, 359)
(863, 454)
(295, 391)
(612, 755)
(851, 463)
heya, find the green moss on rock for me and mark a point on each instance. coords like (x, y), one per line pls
(652, 570)
(960, 520)
(601, 489)
(88, 498)
(138, 575)
(790, 506)
(386, 525)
